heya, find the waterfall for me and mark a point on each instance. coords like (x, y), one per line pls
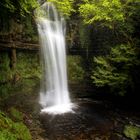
(54, 94)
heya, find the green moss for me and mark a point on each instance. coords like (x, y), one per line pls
(16, 114)
(5, 67)
(132, 132)
(27, 73)
(10, 130)
(4, 90)
(28, 65)
(5, 74)
(6, 135)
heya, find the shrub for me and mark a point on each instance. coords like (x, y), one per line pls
(116, 69)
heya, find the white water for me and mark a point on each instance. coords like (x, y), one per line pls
(54, 94)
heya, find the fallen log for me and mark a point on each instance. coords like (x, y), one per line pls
(19, 45)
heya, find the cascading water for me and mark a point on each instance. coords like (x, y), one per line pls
(54, 94)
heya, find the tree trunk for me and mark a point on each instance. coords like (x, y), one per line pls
(13, 59)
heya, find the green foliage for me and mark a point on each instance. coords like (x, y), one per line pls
(75, 70)
(23, 6)
(131, 131)
(29, 32)
(115, 70)
(124, 55)
(27, 6)
(64, 6)
(84, 33)
(10, 130)
(5, 74)
(5, 68)
(27, 73)
(28, 65)
(18, 116)
(119, 20)
(112, 14)
(104, 10)
(4, 90)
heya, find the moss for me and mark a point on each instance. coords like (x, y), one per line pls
(28, 65)
(6, 135)
(10, 130)
(5, 74)
(17, 115)
(4, 90)
(27, 73)
(132, 132)
(5, 67)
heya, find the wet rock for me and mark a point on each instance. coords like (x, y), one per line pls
(117, 136)
(97, 138)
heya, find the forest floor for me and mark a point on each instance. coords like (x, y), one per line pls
(92, 120)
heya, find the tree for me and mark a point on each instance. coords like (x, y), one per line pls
(104, 11)
(116, 69)
(120, 16)
(64, 6)
(22, 6)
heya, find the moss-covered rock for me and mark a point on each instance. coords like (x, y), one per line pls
(132, 132)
